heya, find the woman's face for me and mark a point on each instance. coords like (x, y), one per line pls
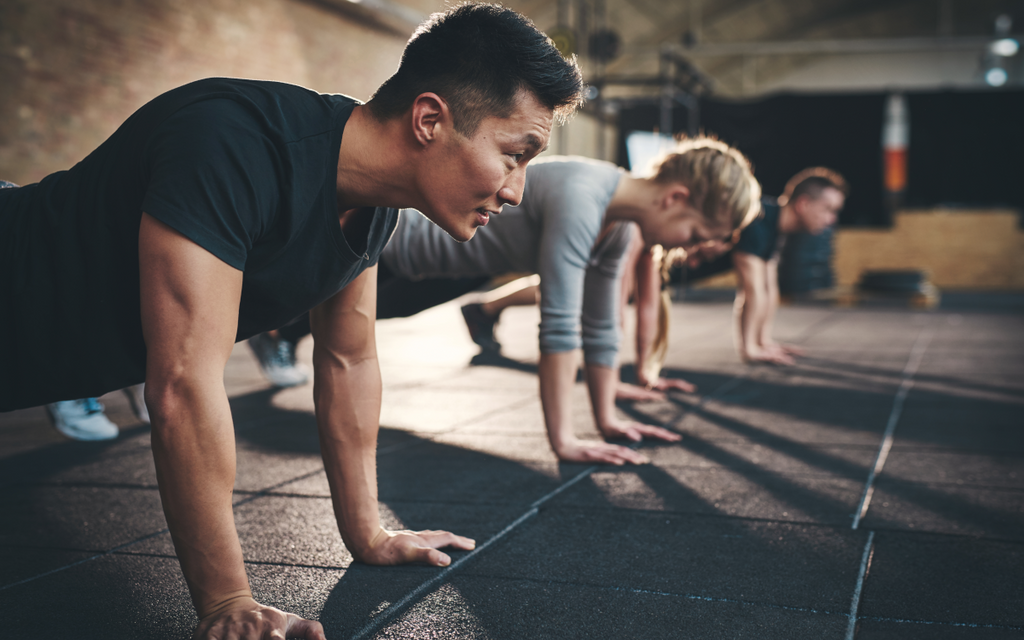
(681, 225)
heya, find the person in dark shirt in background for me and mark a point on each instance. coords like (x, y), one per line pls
(810, 203)
(226, 208)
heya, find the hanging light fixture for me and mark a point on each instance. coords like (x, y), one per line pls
(998, 51)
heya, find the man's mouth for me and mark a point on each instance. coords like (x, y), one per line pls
(484, 215)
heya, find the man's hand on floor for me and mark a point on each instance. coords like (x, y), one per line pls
(405, 547)
(243, 619)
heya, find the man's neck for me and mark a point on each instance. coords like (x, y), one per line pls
(372, 164)
(789, 222)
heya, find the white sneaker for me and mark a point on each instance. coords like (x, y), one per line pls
(82, 419)
(277, 360)
(138, 401)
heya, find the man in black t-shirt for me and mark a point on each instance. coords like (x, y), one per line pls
(226, 208)
(810, 203)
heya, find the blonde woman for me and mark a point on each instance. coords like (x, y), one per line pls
(573, 228)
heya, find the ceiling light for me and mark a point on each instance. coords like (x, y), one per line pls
(1005, 47)
(996, 77)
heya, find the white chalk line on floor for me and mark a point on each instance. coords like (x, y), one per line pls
(906, 383)
(916, 354)
(913, 362)
(398, 607)
(865, 566)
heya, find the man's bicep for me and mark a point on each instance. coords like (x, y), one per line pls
(344, 324)
(189, 301)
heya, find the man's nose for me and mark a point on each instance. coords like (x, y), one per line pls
(511, 193)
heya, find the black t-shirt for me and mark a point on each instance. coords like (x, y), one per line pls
(760, 238)
(246, 169)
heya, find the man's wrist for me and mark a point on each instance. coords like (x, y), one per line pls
(232, 600)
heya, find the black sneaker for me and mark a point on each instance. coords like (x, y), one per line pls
(481, 327)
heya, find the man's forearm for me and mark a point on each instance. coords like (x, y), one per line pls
(348, 396)
(194, 452)
(771, 304)
(749, 312)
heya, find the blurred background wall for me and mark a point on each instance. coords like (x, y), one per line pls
(918, 102)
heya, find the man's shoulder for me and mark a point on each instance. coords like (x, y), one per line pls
(292, 111)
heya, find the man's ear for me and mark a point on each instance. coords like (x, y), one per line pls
(429, 112)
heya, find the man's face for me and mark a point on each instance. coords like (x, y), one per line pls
(818, 214)
(467, 180)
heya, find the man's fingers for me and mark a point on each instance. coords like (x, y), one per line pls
(305, 629)
(439, 539)
(434, 557)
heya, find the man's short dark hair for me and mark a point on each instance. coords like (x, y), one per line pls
(478, 57)
(811, 182)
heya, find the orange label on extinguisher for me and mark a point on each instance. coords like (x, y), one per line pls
(895, 169)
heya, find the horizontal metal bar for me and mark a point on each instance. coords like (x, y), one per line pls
(866, 45)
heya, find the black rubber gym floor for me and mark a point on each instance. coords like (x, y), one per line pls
(876, 490)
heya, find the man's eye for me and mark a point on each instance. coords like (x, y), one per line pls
(516, 157)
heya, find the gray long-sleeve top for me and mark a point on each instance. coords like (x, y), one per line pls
(554, 232)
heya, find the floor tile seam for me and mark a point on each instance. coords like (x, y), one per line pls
(862, 574)
(84, 485)
(274, 563)
(410, 501)
(717, 516)
(254, 495)
(972, 537)
(50, 548)
(801, 443)
(96, 556)
(457, 503)
(916, 356)
(964, 450)
(951, 485)
(823, 474)
(656, 592)
(976, 625)
(131, 543)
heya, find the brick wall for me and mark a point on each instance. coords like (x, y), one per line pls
(72, 71)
